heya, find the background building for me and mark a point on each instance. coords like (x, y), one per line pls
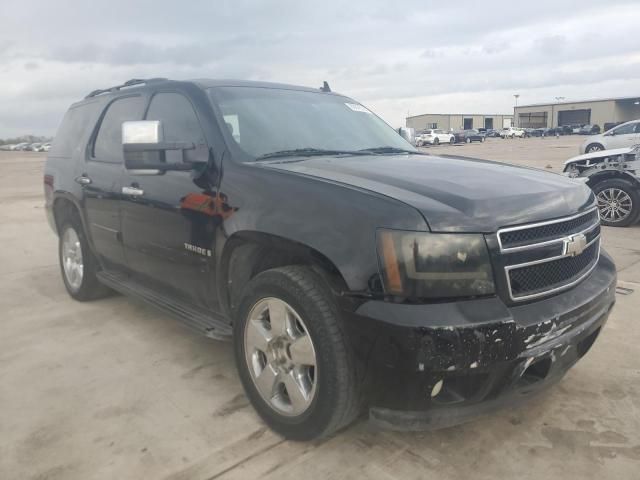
(458, 121)
(588, 112)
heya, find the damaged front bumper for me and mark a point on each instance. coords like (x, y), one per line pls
(437, 365)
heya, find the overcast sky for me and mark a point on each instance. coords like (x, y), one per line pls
(395, 57)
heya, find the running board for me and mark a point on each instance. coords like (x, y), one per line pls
(204, 322)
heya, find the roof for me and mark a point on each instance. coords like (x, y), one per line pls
(612, 99)
(201, 83)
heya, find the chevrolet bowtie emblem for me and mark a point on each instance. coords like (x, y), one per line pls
(574, 245)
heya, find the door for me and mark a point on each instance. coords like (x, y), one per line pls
(169, 220)
(467, 124)
(101, 181)
(623, 136)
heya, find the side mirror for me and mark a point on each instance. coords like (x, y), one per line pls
(144, 149)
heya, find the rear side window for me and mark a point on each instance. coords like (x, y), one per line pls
(108, 143)
(73, 130)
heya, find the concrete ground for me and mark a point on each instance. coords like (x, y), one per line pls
(112, 389)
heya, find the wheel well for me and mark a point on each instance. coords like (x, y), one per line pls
(246, 254)
(609, 174)
(64, 208)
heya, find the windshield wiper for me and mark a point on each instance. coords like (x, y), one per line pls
(308, 152)
(388, 150)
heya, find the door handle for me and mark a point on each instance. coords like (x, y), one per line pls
(83, 179)
(133, 191)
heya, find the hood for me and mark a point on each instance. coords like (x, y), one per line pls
(454, 194)
(603, 154)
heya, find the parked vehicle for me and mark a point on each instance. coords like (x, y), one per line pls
(45, 147)
(33, 147)
(575, 129)
(565, 130)
(624, 135)
(493, 133)
(536, 132)
(468, 136)
(512, 132)
(20, 146)
(434, 137)
(614, 176)
(350, 270)
(590, 130)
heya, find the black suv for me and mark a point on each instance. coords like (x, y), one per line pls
(351, 271)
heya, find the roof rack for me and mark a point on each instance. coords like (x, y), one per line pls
(128, 83)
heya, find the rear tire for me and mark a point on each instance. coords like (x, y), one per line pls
(618, 202)
(468, 140)
(78, 265)
(331, 401)
(452, 141)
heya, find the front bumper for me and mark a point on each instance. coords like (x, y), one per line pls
(437, 365)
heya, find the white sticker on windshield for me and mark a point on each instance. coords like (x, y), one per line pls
(357, 108)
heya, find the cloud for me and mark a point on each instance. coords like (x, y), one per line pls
(423, 57)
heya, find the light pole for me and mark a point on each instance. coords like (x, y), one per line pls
(558, 100)
(515, 117)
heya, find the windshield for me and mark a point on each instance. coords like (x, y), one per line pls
(264, 121)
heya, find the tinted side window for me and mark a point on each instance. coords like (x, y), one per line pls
(72, 130)
(108, 144)
(179, 120)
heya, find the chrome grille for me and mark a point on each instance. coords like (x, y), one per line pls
(546, 257)
(542, 276)
(536, 233)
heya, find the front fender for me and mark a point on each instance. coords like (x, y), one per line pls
(337, 220)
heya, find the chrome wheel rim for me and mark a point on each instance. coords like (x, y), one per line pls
(594, 148)
(280, 357)
(615, 205)
(72, 258)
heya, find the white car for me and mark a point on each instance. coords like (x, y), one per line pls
(613, 176)
(512, 132)
(434, 137)
(622, 136)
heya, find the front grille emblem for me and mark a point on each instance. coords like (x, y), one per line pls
(574, 245)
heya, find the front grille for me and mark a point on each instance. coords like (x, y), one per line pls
(541, 258)
(540, 277)
(538, 233)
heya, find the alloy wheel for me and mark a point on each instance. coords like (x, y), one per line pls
(615, 205)
(72, 262)
(280, 357)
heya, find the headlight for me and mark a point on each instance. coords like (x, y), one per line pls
(434, 265)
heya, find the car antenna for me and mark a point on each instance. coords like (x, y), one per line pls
(325, 87)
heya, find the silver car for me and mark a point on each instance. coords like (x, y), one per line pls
(623, 136)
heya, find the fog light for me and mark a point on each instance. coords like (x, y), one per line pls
(436, 389)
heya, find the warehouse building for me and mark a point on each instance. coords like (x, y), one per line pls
(458, 121)
(588, 112)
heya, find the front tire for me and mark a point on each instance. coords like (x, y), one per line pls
(78, 264)
(594, 147)
(292, 354)
(452, 141)
(618, 202)
(436, 141)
